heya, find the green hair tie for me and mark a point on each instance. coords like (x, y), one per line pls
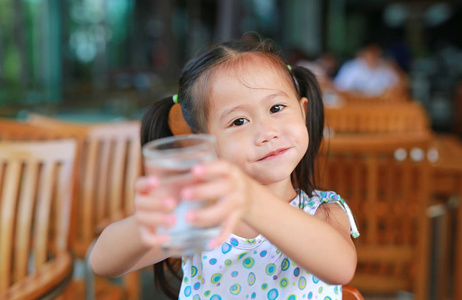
(289, 67)
(175, 98)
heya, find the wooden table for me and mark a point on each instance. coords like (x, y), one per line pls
(447, 181)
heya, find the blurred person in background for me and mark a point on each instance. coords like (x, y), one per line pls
(370, 74)
(324, 68)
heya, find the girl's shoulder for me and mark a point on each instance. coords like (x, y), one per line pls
(311, 204)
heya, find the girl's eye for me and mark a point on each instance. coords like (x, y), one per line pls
(239, 122)
(277, 108)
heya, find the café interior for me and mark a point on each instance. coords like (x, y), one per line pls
(76, 77)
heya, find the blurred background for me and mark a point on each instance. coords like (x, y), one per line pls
(100, 59)
(107, 60)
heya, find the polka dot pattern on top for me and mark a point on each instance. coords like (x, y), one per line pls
(256, 269)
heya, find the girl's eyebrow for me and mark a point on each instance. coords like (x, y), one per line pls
(230, 110)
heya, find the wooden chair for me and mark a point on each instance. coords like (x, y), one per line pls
(447, 186)
(36, 181)
(369, 118)
(390, 97)
(110, 163)
(411, 119)
(351, 293)
(14, 130)
(385, 180)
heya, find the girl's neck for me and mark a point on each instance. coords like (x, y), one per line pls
(284, 189)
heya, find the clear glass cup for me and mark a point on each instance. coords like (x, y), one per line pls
(170, 160)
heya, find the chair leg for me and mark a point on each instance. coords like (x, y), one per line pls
(132, 282)
(458, 249)
(442, 259)
(89, 275)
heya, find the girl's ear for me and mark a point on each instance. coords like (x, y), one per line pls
(304, 106)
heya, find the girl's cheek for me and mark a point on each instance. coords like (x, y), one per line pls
(220, 150)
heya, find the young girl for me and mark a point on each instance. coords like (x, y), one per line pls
(280, 238)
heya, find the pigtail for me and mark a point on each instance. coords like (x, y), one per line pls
(154, 125)
(162, 281)
(304, 174)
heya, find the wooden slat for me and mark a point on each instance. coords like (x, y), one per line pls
(132, 173)
(64, 194)
(87, 200)
(371, 198)
(8, 204)
(42, 217)
(104, 171)
(24, 222)
(117, 178)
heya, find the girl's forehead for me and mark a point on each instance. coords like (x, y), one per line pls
(252, 74)
(245, 86)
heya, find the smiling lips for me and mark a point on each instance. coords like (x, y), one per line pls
(274, 154)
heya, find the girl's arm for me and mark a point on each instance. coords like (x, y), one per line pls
(320, 244)
(132, 243)
(120, 249)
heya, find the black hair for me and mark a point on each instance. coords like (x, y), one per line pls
(154, 124)
(193, 97)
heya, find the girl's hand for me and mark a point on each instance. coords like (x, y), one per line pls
(152, 211)
(226, 185)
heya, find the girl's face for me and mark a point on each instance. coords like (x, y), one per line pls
(258, 121)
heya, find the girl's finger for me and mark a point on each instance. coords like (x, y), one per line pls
(228, 227)
(144, 184)
(210, 190)
(150, 238)
(151, 203)
(155, 219)
(211, 215)
(210, 170)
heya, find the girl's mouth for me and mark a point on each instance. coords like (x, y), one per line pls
(274, 154)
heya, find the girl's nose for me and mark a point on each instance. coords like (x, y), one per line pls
(266, 131)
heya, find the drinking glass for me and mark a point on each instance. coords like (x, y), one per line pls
(170, 160)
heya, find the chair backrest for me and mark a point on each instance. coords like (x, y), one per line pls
(385, 180)
(396, 118)
(351, 293)
(110, 162)
(36, 181)
(391, 97)
(14, 130)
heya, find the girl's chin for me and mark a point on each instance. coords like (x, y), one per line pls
(277, 178)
